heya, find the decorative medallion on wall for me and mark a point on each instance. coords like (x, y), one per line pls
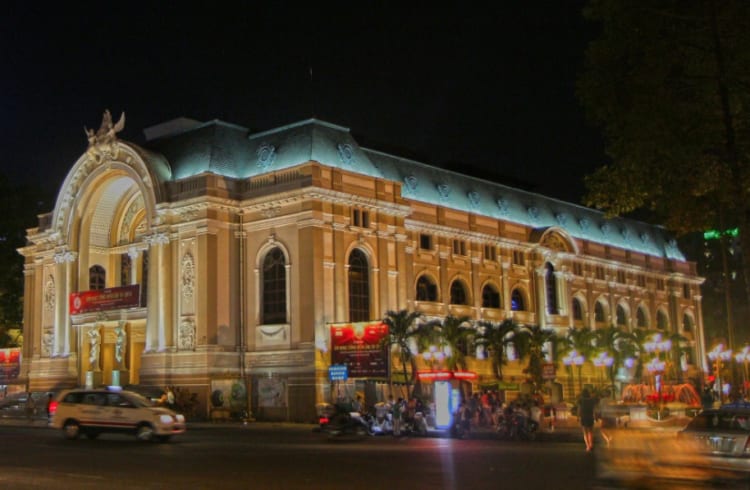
(584, 223)
(266, 155)
(627, 235)
(606, 228)
(410, 184)
(49, 294)
(444, 190)
(671, 247)
(474, 199)
(561, 219)
(555, 242)
(502, 205)
(186, 335)
(346, 153)
(645, 237)
(533, 213)
(188, 276)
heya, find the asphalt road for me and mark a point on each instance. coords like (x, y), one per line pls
(280, 456)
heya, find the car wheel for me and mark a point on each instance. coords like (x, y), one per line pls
(144, 432)
(71, 430)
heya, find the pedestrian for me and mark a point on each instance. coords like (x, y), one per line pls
(397, 412)
(357, 404)
(30, 407)
(586, 408)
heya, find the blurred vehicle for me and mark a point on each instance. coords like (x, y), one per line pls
(346, 425)
(722, 438)
(14, 405)
(96, 411)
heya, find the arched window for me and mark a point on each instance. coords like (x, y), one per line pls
(687, 323)
(622, 317)
(599, 312)
(359, 287)
(458, 293)
(551, 286)
(641, 318)
(125, 272)
(97, 278)
(274, 287)
(490, 297)
(516, 301)
(426, 289)
(577, 309)
(662, 322)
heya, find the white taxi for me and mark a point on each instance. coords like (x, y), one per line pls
(95, 411)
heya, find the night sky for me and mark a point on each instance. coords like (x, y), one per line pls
(485, 89)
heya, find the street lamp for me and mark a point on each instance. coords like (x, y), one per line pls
(743, 356)
(604, 360)
(718, 355)
(434, 356)
(656, 367)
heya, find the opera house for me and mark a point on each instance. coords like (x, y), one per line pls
(217, 260)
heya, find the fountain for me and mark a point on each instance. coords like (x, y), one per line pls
(648, 403)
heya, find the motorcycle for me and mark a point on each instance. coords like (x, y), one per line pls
(516, 426)
(344, 425)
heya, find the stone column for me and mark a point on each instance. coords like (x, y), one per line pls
(541, 294)
(63, 288)
(158, 292)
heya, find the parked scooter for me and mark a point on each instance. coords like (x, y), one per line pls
(346, 425)
(514, 425)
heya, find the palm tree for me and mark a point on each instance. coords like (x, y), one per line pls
(531, 341)
(453, 334)
(611, 340)
(403, 329)
(495, 337)
(580, 340)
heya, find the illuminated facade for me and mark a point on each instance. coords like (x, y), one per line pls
(247, 246)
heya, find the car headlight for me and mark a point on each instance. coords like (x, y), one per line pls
(166, 419)
(180, 418)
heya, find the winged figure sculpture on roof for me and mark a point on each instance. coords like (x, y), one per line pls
(102, 141)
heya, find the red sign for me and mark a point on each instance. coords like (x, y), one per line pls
(105, 299)
(10, 364)
(360, 347)
(445, 375)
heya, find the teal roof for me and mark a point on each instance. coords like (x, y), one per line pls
(231, 150)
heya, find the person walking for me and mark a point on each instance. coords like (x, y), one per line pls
(30, 407)
(397, 412)
(586, 408)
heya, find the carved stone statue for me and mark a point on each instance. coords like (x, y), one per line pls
(120, 342)
(102, 142)
(94, 345)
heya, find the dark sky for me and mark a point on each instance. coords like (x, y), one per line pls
(488, 89)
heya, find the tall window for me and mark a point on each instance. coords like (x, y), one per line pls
(599, 313)
(687, 323)
(274, 287)
(458, 293)
(551, 286)
(426, 289)
(359, 287)
(662, 322)
(577, 309)
(125, 272)
(641, 318)
(490, 297)
(97, 278)
(144, 280)
(516, 301)
(622, 318)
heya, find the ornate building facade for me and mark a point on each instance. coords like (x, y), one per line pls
(212, 254)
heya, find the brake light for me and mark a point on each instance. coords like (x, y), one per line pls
(323, 420)
(52, 408)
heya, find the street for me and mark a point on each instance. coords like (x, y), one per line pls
(286, 456)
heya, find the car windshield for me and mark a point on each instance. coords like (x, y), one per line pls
(139, 400)
(723, 420)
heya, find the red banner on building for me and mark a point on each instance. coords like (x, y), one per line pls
(360, 346)
(105, 299)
